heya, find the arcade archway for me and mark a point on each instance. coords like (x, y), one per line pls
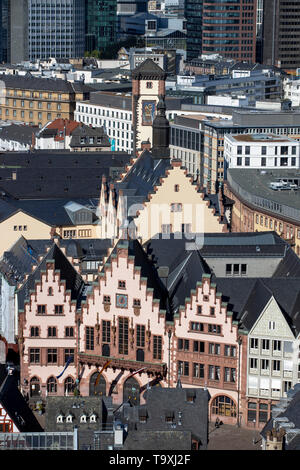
(131, 391)
(100, 388)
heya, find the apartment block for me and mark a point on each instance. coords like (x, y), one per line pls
(37, 101)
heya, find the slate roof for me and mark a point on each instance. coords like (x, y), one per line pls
(59, 174)
(246, 297)
(18, 133)
(50, 211)
(83, 131)
(143, 175)
(158, 440)
(291, 411)
(289, 266)
(15, 405)
(30, 82)
(62, 159)
(188, 417)
(73, 280)
(18, 261)
(148, 69)
(77, 406)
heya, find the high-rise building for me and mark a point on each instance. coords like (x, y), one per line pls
(101, 24)
(17, 37)
(229, 28)
(259, 29)
(281, 34)
(193, 15)
(55, 29)
(4, 29)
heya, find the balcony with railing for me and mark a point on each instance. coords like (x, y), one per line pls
(151, 368)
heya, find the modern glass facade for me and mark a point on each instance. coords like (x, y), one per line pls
(101, 24)
(229, 28)
(56, 29)
(193, 15)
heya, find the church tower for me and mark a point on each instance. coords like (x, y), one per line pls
(148, 84)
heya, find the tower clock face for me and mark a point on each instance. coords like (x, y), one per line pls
(121, 300)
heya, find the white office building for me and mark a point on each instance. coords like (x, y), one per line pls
(261, 151)
(113, 112)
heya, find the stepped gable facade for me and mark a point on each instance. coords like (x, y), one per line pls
(165, 313)
(158, 196)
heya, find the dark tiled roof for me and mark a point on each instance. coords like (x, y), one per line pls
(59, 174)
(73, 280)
(30, 82)
(19, 133)
(19, 260)
(77, 406)
(291, 412)
(49, 211)
(143, 175)
(148, 68)
(62, 159)
(158, 440)
(246, 297)
(15, 405)
(190, 417)
(86, 132)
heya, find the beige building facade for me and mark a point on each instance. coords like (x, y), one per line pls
(37, 101)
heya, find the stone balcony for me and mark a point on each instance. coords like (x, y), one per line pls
(157, 369)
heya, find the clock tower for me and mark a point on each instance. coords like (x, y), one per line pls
(148, 86)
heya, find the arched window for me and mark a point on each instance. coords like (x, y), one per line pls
(34, 387)
(50, 291)
(69, 385)
(223, 406)
(52, 385)
(131, 391)
(100, 388)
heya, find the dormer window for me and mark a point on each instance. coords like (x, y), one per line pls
(83, 419)
(93, 418)
(69, 419)
(190, 396)
(143, 415)
(169, 417)
(60, 419)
